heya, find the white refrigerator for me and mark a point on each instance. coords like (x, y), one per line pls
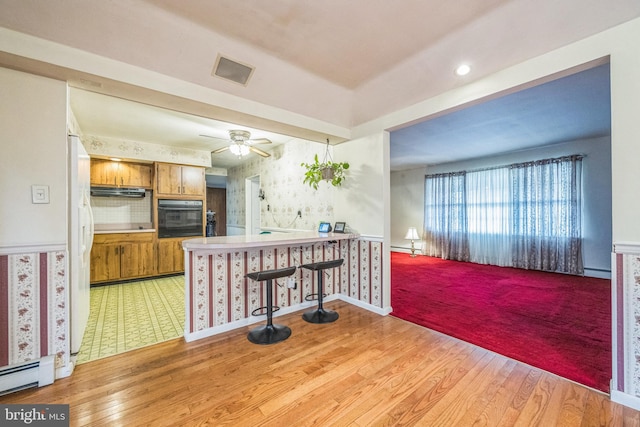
(80, 240)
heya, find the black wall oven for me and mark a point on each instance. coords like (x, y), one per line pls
(179, 218)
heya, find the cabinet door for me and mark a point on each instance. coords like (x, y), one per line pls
(104, 172)
(170, 256)
(105, 262)
(136, 260)
(169, 178)
(135, 175)
(193, 181)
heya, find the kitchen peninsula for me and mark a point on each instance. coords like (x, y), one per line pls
(219, 297)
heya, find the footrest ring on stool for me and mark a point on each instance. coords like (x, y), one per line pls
(313, 297)
(273, 310)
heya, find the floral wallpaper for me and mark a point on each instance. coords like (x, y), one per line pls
(626, 322)
(34, 307)
(135, 150)
(631, 279)
(281, 179)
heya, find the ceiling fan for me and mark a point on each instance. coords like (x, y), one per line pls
(241, 144)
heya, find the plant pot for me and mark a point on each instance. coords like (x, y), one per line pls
(327, 174)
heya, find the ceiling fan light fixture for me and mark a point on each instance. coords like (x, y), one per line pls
(241, 144)
(239, 136)
(239, 149)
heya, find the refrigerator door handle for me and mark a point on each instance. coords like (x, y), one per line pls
(87, 230)
(91, 223)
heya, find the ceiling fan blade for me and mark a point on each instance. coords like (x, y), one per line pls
(214, 137)
(260, 152)
(220, 150)
(260, 141)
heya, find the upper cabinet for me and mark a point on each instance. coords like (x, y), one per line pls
(179, 180)
(121, 174)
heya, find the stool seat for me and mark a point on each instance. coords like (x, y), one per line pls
(323, 265)
(320, 315)
(269, 333)
(259, 276)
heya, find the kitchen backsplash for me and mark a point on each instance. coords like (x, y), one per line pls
(122, 210)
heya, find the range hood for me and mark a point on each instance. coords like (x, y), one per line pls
(117, 192)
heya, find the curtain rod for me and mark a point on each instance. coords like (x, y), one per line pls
(510, 166)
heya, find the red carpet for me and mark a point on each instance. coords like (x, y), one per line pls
(556, 322)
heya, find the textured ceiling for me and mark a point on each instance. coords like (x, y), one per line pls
(571, 108)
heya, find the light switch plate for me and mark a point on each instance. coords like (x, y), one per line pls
(39, 194)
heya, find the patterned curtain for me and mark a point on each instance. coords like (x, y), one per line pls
(445, 231)
(525, 215)
(546, 233)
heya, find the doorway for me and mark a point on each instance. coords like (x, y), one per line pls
(252, 205)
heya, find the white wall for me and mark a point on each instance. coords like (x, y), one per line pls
(365, 196)
(364, 201)
(34, 152)
(407, 206)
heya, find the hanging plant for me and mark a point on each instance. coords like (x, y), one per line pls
(328, 170)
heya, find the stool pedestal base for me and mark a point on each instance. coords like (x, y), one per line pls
(269, 334)
(320, 316)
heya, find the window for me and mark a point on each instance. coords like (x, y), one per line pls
(524, 215)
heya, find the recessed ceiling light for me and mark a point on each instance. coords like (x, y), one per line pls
(463, 70)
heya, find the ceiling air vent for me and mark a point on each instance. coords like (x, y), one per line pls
(232, 70)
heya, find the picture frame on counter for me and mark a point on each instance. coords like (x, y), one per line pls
(324, 227)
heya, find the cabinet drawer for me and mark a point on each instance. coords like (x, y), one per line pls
(123, 238)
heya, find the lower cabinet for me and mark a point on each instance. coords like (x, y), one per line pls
(120, 256)
(170, 255)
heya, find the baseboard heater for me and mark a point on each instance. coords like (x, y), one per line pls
(35, 373)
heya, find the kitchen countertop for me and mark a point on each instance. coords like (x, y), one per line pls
(262, 240)
(144, 230)
(123, 228)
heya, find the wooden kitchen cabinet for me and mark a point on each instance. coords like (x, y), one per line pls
(105, 262)
(121, 256)
(170, 256)
(137, 259)
(121, 174)
(179, 180)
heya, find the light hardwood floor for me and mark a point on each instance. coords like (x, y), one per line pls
(363, 370)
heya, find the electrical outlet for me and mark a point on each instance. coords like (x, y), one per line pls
(291, 283)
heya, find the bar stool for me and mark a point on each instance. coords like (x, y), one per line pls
(269, 333)
(320, 315)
